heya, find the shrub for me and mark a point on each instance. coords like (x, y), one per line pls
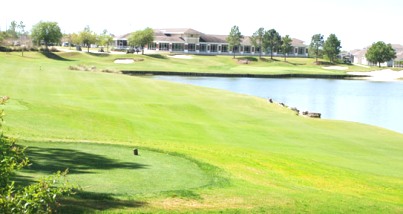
(82, 68)
(40, 197)
(4, 49)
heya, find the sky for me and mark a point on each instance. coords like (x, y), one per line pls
(356, 23)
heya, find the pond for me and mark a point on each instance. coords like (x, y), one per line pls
(370, 102)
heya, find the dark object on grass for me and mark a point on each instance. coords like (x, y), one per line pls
(135, 151)
(311, 114)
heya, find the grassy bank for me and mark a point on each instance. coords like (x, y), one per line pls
(271, 159)
(199, 63)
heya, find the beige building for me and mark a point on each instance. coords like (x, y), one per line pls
(190, 41)
(359, 57)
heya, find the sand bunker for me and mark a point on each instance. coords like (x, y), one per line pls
(339, 68)
(382, 75)
(124, 61)
(181, 56)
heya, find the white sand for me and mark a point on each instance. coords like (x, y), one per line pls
(381, 75)
(181, 56)
(124, 61)
(340, 68)
(364, 66)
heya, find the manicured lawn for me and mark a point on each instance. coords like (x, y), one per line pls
(198, 63)
(114, 170)
(234, 153)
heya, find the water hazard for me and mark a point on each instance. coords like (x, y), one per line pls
(375, 103)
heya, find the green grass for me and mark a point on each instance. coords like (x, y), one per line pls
(198, 63)
(269, 159)
(114, 170)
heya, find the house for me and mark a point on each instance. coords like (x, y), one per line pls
(359, 57)
(190, 41)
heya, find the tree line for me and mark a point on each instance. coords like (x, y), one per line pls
(269, 41)
(48, 33)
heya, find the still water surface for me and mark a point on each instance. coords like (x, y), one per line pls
(375, 103)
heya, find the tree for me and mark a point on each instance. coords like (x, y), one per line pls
(316, 45)
(257, 40)
(234, 38)
(2, 36)
(87, 37)
(75, 39)
(380, 52)
(272, 41)
(286, 46)
(105, 39)
(331, 47)
(40, 197)
(46, 32)
(141, 38)
(21, 34)
(12, 30)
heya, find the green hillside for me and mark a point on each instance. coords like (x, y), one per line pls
(201, 150)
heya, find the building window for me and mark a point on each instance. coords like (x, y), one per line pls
(247, 49)
(213, 48)
(224, 48)
(177, 47)
(152, 46)
(122, 43)
(191, 47)
(203, 47)
(290, 52)
(164, 46)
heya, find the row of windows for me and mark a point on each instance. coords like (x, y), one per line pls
(212, 48)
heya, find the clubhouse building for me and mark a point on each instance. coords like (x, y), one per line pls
(190, 41)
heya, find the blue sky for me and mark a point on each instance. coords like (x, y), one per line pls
(357, 23)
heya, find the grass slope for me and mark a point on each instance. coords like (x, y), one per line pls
(274, 160)
(199, 63)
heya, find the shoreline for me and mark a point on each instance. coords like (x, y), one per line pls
(384, 75)
(206, 74)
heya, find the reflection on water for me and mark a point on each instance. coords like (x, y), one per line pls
(376, 103)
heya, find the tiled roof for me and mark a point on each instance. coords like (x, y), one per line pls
(397, 46)
(213, 38)
(177, 31)
(122, 37)
(297, 43)
(399, 56)
(173, 38)
(359, 53)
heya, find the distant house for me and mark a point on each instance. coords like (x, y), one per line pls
(359, 57)
(190, 41)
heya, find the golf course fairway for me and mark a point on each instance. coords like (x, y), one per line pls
(201, 150)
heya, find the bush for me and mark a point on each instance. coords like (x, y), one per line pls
(53, 49)
(4, 49)
(33, 49)
(82, 68)
(40, 197)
